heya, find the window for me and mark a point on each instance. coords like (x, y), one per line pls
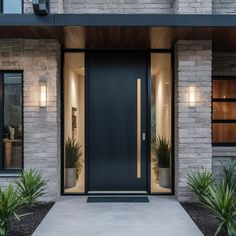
(161, 119)
(224, 110)
(11, 127)
(11, 6)
(74, 124)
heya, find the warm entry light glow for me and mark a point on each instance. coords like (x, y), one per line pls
(43, 94)
(139, 124)
(192, 96)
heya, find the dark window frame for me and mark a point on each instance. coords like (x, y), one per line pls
(2, 4)
(218, 100)
(2, 170)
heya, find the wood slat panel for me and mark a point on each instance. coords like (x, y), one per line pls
(117, 37)
(224, 39)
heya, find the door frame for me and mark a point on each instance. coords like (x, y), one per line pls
(86, 176)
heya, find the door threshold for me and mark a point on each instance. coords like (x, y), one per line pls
(117, 192)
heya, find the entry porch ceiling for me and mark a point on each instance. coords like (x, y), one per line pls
(224, 38)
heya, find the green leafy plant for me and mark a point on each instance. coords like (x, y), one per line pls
(30, 186)
(162, 152)
(221, 200)
(155, 168)
(73, 153)
(230, 174)
(200, 181)
(10, 203)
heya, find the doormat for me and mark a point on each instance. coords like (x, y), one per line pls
(117, 199)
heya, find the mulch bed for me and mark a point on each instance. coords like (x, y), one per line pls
(203, 218)
(27, 225)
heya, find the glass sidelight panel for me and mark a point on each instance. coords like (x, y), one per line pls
(161, 105)
(74, 171)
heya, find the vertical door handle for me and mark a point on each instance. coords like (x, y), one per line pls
(139, 128)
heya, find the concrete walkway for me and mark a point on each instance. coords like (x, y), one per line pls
(73, 216)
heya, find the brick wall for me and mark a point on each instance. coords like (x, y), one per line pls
(193, 7)
(193, 148)
(224, 63)
(38, 58)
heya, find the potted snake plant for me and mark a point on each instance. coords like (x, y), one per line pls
(73, 155)
(162, 156)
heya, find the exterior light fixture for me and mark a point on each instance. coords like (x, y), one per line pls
(41, 7)
(192, 95)
(43, 94)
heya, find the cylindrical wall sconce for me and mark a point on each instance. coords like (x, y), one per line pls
(43, 94)
(192, 95)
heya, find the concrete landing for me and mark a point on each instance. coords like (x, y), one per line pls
(73, 216)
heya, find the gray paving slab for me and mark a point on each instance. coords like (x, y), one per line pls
(73, 216)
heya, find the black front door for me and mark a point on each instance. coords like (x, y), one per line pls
(116, 119)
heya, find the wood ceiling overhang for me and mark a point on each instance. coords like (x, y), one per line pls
(123, 31)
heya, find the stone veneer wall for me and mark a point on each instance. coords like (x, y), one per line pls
(139, 6)
(119, 6)
(106, 6)
(193, 149)
(224, 6)
(224, 63)
(56, 6)
(38, 58)
(28, 6)
(193, 6)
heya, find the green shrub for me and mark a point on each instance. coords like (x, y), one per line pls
(73, 153)
(162, 151)
(31, 186)
(219, 197)
(221, 200)
(199, 182)
(9, 205)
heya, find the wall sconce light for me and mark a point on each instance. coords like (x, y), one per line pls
(192, 95)
(43, 94)
(41, 7)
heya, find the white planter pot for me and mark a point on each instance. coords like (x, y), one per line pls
(70, 177)
(164, 177)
